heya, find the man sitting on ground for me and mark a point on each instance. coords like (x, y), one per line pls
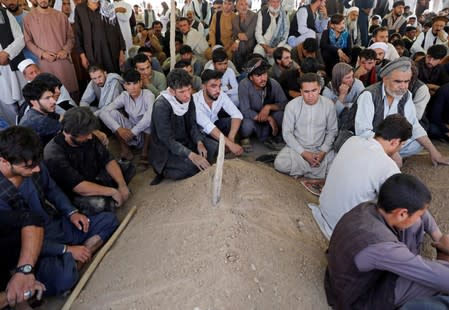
(178, 149)
(102, 89)
(153, 80)
(309, 143)
(262, 102)
(230, 86)
(391, 96)
(282, 62)
(366, 71)
(196, 80)
(359, 169)
(208, 104)
(133, 129)
(41, 116)
(373, 255)
(70, 237)
(83, 167)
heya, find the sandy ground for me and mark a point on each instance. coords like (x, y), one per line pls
(258, 249)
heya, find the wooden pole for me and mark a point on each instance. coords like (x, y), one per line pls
(172, 34)
(216, 186)
(86, 276)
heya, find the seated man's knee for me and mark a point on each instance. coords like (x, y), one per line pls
(58, 274)
(247, 127)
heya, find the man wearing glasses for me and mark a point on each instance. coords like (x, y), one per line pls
(70, 237)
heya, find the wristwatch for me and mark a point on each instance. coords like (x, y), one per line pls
(25, 269)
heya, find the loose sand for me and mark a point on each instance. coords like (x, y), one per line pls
(258, 249)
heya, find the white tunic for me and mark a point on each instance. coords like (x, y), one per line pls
(355, 176)
(123, 20)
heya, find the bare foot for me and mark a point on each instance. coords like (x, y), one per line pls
(93, 243)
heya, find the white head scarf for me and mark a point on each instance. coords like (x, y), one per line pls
(58, 6)
(178, 108)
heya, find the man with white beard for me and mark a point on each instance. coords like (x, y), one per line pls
(391, 96)
(123, 12)
(271, 29)
(351, 25)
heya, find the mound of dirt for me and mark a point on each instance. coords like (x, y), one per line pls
(258, 249)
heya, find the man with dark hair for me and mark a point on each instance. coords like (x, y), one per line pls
(70, 236)
(309, 22)
(229, 84)
(220, 28)
(435, 35)
(178, 149)
(208, 104)
(380, 35)
(193, 38)
(262, 102)
(373, 255)
(366, 71)
(308, 151)
(430, 70)
(41, 116)
(282, 62)
(196, 80)
(102, 89)
(307, 49)
(359, 169)
(395, 21)
(186, 54)
(152, 80)
(134, 128)
(83, 167)
(391, 96)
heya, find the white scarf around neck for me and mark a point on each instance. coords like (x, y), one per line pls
(178, 108)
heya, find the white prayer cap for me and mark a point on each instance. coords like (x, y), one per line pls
(24, 64)
(411, 16)
(381, 45)
(352, 9)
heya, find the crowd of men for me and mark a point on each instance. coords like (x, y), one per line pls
(339, 90)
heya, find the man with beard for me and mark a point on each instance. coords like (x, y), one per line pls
(282, 62)
(15, 9)
(309, 129)
(309, 22)
(395, 21)
(430, 70)
(391, 96)
(243, 28)
(49, 36)
(209, 102)
(178, 149)
(102, 89)
(352, 27)
(124, 11)
(41, 116)
(381, 35)
(435, 35)
(262, 103)
(83, 167)
(271, 29)
(380, 48)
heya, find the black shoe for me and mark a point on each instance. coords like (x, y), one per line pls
(157, 179)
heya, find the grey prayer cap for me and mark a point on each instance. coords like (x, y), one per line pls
(402, 63)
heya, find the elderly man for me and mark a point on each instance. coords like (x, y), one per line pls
(54, 54)
(358, 170)
(262, 102)
(102, 89)
(271, 29)
(83, 167)
(209, 102)
(309, 22)
(395, 20)
(374, 259)
(352, 27)
(435, 35)
(391, 96)
(381, 35)
(309, 144)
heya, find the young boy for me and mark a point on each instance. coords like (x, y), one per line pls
(133, 129)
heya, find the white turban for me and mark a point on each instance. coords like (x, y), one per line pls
(380, 45)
